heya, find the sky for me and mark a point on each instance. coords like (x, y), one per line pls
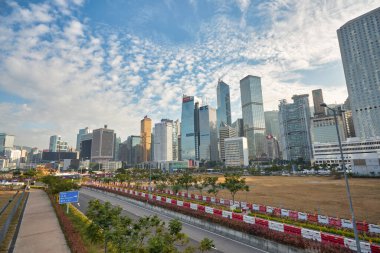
(70, 64)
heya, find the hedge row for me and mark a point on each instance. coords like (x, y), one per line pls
(72, 235)
(252, 229)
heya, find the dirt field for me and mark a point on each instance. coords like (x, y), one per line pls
(323, 195)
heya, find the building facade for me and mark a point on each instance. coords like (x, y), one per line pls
(6, 142)
(176, 144)
(223, 103)
(225, 131)
(239, 127)
(208, 135)
(146, 137)
(134, 150)
(57, 144)
(359, 48)
(323, 130)
(103, 145)
(253, 116)
(82, 132)
(236, 152)
(319, 111)
(163, 140)
(85, 146)
(190, 128)
(295, 133)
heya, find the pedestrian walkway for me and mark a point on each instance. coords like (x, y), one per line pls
(40, 230)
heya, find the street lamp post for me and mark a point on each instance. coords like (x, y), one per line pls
(345, 178)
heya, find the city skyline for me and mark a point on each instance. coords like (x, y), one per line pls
(89, 69)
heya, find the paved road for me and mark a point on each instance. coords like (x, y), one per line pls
(222, 243)
(40, 230)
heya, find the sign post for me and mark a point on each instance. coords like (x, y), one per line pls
(68, 197)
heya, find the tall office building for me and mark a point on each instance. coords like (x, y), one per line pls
(163, 140)
(103, 145)
(117, 144)
(225, 131)
(6, 142)
(223, 103)
(253, 116)
(319, 111)
(176, 134)
(272, 126)
(323, 130)
(134, 150)
(57, 144)
(295, 128)
(236, 152)
(208, 135)
(239, 127)
(85, 146)
(190, 128)
(359, 48)
(146, 136)
(80, 134)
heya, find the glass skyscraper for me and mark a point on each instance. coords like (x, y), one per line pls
(223, 103)
(208, 135)
(190, 128)
(359, 41)
(295, 128)
(253, 116)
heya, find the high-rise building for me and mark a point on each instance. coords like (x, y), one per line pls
(239, 127)
(359, 48)
(225, 131)
(176, 134)
(253, 116)
(146, 137)
(57, 144)
(163, 140)
(223, 103)
(117, 143)
(273, 147)
(85, 146)
(208, 135)
(272, 126)
(190, 128)
(134, 150)
(319, 111)
(6, 142)
(295, 129)
(79, 135)
(323, 129)
(103, 145)
(236, 152)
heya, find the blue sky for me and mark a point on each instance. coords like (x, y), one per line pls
(68, 64)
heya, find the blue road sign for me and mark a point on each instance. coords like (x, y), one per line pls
(68, 197)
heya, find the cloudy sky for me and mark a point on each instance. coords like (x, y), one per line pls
(68, 64)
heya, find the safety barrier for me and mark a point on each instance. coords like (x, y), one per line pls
(362, 226)
(317, 236)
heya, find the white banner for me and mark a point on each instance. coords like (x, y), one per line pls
(227, 214)
(213, 199)
(285, 212)
(374, 228)
(158, 198)
(179, 203)
(276, 226)
(168, 200)
(347, 223)
(249, 219)
(193, 206)
(311, 234)
(269, 209)
(204, 198)
(221, 201)
(365, 247)
(209, 210)
(255, 207)
(302, 216)
(323, 219)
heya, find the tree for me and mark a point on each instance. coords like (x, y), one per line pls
(206, 245)
(186, 180)
(57, 184)
(200, 183)
(104, 218)
(215, 186)
(234, 183)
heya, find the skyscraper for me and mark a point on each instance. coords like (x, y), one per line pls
(146, 136)
(295, 128)
(6, 142)
(236, 152)
(319, 111)
(253, 116)
(176, 133)
(163, 140)
(134, 150)
(103, 145)
(239, 127)
(225, 131)
(80, 134)
(272, 126)
(223, 103)
(359, 48)
(57, 144)
(208, 135)
(190, 128)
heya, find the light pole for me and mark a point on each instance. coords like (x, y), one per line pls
(345, 178)
(150, 180)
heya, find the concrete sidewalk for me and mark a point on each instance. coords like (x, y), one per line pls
(40, 230)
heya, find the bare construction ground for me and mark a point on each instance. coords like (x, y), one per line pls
(323, 195)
